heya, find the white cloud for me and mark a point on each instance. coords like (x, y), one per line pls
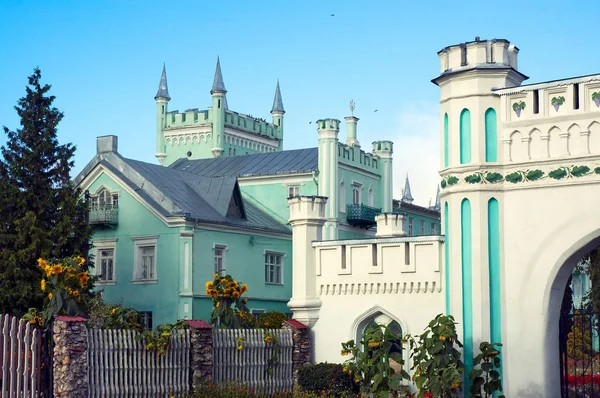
(417, 151)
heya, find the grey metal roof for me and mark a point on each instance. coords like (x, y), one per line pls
(277, 101)
(178, 193)
(218, 85)
(272, 163)
(163, 89)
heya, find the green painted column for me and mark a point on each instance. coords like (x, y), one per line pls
(494, 272)
(465, 136)
(447, 257)
(491, 136)
(446, 142)
(186, 266)
(218, 123)
(467, 287)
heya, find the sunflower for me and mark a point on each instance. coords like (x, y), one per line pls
(43, 284)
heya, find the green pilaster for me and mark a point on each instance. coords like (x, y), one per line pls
(186, 266)
(491, 136)
(218, 122)
(494, 272)
(467, 287)
(161, 112)
(465, 136)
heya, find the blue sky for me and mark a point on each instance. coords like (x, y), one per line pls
(104, 59)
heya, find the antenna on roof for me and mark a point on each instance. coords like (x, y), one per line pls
(352, 106)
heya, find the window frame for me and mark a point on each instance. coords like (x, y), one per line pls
(422, 227)
(342, 197)
(293, 188)
(282, 255)
(224, 248)
(411, 223)
(104, 193)
(140, 243)
(357, 188)
(105, 244)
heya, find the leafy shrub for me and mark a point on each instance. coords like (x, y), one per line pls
(328, 377)
(270, 320)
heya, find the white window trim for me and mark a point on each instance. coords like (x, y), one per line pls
(283, 256)
(225, 249)
(371, 198)
(288, 186)
(138, 243)
(112, 193)
(359, 187)
(101, 244)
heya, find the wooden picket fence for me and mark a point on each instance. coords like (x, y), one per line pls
(249, 365)
(25, 365)
(119, 366)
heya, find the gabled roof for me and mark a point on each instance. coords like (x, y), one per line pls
(272, 163)
(176, 193)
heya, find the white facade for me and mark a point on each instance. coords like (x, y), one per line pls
(543, 171)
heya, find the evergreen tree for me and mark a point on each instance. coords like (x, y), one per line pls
(42, 214)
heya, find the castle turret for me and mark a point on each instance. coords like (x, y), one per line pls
(162, 102)
(277, 112)
(384, 150)
(406, 192)
(351, 139)
(468, 103)
(219, 105)
(328, 173)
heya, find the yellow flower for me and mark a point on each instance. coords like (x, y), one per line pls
(235, 295)
(42, 263)
(56, 269)
(216, 275)
(209, 285)
(79, 260)
(50, 296)
(244, 288)
(43, 283)
(217, 304)
(113, 311)
(75, 293)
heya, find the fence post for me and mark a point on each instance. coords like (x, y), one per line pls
(70, 362)
(302, 349)
(201, 352)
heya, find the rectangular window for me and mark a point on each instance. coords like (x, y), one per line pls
(220, 259)
(536, 101)
(148, 264)
(411, 222)
(145, 259)
(274, 268)
(106, 260)
(422, 227)
(293, 191)
(356, 195)
(146, 319)
(576, 96)
(433, 229)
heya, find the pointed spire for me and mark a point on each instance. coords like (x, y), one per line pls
(406, 194)
(218, 85)
(163, 89)
(277, 101)
(438, 201)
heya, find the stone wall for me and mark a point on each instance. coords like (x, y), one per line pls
(70, 363)
(201, 361)
(301, 354)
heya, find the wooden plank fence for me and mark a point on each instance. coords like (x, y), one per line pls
(121, 367)
(23, 359)
(249, 365)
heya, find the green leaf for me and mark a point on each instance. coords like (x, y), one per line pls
(493, 177)
(579, 171)
(452, 180)
(558, 173)
(473, 178)
(514, 177)
(533, 175)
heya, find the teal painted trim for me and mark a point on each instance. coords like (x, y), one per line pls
(467, 287)
(447, 255)
(491, 136)
(494, 272)
(465, 136)
(446, 142)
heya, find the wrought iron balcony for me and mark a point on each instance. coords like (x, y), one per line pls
(104, 215)
(361, 215)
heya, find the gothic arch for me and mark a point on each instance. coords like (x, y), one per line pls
(594, 129)
(554, 144)
(575, 141)
(517, 153)
(371, 314)
(536, 149)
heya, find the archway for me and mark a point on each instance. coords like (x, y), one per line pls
(573, 324)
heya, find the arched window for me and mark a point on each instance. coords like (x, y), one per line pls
(342, 198)
(356, 195)
(465, 136)
(371, 197)
(491, 140)
(104, 198)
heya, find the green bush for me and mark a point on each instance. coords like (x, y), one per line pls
(270, 320)
(328, 377)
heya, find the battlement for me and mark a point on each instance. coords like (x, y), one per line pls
(379, 266)
(354, 156)
(250, 124)
(190, 117)
(479, 53)
(328, 124)
(383, 146)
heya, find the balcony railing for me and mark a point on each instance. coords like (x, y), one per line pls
(104, 214)
(361, 215)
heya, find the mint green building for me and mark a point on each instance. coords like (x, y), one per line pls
(217, 202)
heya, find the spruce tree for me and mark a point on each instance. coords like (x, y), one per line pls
(42, 214)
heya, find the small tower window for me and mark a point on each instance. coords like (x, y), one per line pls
(219, 104)
(576, 96)
(189, 154)
(163, 110)
(536, 102)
